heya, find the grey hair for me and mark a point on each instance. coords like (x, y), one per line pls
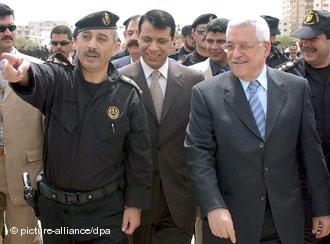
(257, 23)
(115, 36)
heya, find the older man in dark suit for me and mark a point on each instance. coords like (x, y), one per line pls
(242, 139)
(166, 95)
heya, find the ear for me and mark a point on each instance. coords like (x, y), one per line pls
(267, 46)
(125, 34)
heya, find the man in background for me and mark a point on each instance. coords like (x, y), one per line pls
(215, 40)
(200, 54)
(21, 146)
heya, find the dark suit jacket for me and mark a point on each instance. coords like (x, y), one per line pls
(121, 62)
(167, 138)
(232, 167)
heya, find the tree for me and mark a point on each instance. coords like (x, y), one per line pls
(286, 40)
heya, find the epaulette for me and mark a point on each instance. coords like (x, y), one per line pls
(131, 82)
(287, 65)
(59, 58)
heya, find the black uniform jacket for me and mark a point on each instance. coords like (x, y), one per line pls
(91, 141)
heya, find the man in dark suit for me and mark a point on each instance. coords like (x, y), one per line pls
(242, 139)
(132, 45)
(167, 101)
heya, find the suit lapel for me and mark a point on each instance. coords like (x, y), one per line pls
(276, 96)
(236, 99)
(172, 88)
(146, 97)
(8, 92)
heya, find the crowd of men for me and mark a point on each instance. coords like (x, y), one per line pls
(136, 147)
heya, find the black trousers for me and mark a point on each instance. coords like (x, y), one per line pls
(96, 222)
(162, 228)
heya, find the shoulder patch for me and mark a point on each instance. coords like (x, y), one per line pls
(287, 65)
(59, 58)
(131, 82)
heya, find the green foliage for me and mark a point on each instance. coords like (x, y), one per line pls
(286, 40)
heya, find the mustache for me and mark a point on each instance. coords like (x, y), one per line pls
(6, 38)
(308, 49)
(132, 43)
(92, 52)
(238, 60)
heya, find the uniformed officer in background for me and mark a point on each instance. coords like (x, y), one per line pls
(97, 167)
(276, 55)
(315, 48)
(200, 53)
(189, 44)
(61, 41)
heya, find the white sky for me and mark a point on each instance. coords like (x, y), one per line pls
(183, 11)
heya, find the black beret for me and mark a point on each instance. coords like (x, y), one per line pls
(272, 23)
(315, 23)
(186, 30)
(203, 19)
(98, 20)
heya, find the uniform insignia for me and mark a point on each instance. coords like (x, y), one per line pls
(286, 65)
(113, 112)
(311, 18)
(131, 82)
(106, 18)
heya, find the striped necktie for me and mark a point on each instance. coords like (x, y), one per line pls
(156, 93)
(256, 108)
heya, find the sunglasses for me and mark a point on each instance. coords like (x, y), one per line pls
(10, 27)
(62, 43)
(201, 31)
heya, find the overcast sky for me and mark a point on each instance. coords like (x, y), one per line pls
(183, 11)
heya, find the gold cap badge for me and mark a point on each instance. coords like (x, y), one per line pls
(106, 18)
(311, 18)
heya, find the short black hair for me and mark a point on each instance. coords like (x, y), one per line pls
(159, 19)
(61, 29)
(5, 10)
(291, 44)
(130, 19)
(217, 25)
(327, 34)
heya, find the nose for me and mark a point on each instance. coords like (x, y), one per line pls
(7, 31)
(92, 43)
(153, 45)
(236, 52)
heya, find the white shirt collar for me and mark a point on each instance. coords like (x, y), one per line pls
(262, 78)
(148, 70)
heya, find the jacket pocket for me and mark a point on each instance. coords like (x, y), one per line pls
(34, 155)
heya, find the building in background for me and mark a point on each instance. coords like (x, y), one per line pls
(294, 12)
(39, 31)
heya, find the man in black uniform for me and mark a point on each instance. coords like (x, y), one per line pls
(276, 55)
(97, 167)
(189, 44)
(315, 48)
(200, 54)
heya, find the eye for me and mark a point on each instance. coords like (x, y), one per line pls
(146, 39)
(163, 41)
(244, 46)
